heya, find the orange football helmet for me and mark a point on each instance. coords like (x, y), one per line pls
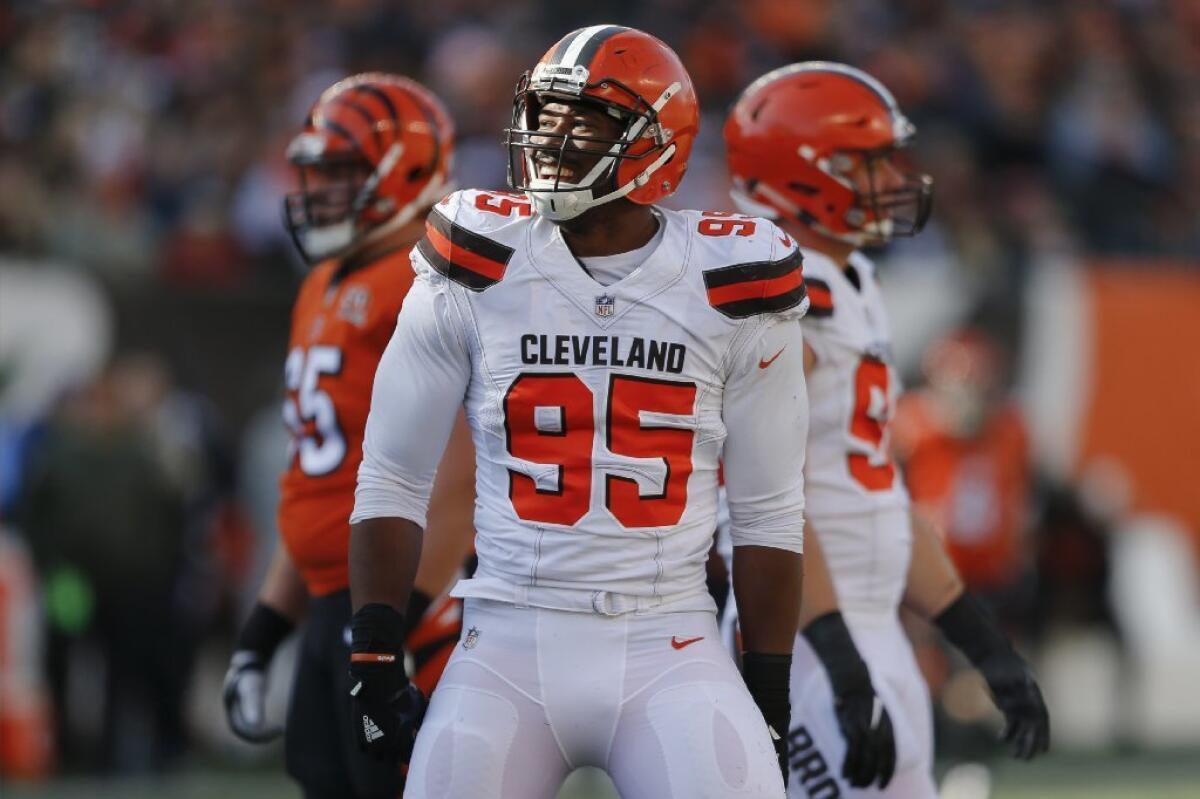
(796, 132)
(633, 77)
(381, 147)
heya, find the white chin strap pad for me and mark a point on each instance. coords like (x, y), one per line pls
(324, 242)
(570, 203)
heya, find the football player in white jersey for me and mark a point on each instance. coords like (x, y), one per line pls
(813, 146)
(609, 353)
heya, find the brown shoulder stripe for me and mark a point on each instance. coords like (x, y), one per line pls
(465, 257)
(820, 298)
(756, 288)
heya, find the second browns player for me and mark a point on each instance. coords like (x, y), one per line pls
(374, 155)
(813, 146)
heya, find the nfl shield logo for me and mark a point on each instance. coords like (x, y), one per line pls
(606, 305)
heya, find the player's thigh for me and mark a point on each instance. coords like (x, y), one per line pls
(694, 733)
(320, 748)
(312, 749)
(483, 739)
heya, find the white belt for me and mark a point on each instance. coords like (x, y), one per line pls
(580, 600)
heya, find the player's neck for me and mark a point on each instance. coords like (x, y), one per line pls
(836, 251)
(610, 229)
(373, 250)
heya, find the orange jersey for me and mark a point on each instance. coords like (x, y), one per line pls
(976, 489)
(339, 331)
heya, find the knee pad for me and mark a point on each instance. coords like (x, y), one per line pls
(714, 741)
(463, 747)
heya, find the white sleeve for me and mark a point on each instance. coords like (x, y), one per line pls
(419, 386)
(766, 421)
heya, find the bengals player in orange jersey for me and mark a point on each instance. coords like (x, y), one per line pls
(373, 157)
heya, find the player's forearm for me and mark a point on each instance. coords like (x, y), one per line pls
(384, 553)
(819, 594)
(450, 522)
(768, 584)
(933, 582)
(283, 588)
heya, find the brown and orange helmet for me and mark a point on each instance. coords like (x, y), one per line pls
(631, 76)
(794, 133)
(383, 146)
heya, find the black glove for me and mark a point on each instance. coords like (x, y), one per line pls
(767, 677)
(972, 629)
(388, 709)
(245, 690)
(861, 715)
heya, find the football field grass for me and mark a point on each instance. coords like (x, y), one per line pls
(1115, 776)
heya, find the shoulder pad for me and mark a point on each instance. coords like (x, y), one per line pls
(460, 239)
(772, 282)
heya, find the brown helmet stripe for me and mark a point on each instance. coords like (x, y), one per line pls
(589, 50)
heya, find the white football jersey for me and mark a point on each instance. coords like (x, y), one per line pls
(852, 391)
(599, 413)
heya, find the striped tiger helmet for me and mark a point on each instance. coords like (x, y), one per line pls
(628, 75)
(376, 150)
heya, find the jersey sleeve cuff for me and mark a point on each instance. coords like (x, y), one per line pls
(379, 496)
(786, 534)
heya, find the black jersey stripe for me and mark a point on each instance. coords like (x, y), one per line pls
(761, 305)
(459, 236)
(758, 270)
(459, 274)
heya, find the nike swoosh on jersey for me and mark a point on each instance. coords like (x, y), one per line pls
(764, 364)
(677, 644)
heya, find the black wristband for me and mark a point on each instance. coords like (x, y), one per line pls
(767, 677)
(830, 639)
(418, 603)
(377, 628)
(264, 630)
(969, 626)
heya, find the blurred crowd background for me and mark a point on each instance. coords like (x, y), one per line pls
(1047, 322)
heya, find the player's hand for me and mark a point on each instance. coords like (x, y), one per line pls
(245, 697)
(388, 709)
(970, 627)
(767, 678)
(1027, 723)
(862, 717)
(870, 741)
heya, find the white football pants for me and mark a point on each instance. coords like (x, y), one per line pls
(868, 556)
(530, 694)
(816, 748)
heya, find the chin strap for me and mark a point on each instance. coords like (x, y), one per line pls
(338, 239)
(576, 202)
(563, 205)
